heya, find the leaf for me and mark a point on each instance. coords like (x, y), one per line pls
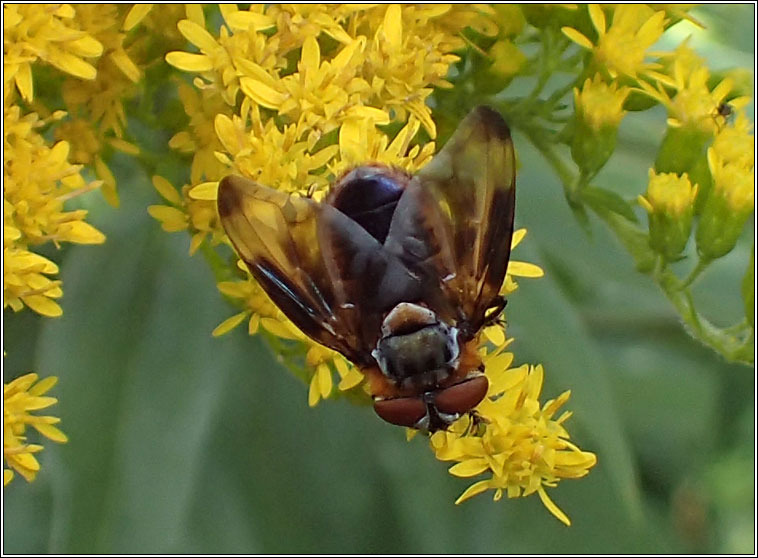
(601, 199)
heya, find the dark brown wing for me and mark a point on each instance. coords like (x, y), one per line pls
(464, 235)
(276, 235)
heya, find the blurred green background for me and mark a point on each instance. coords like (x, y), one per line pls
(180, 442)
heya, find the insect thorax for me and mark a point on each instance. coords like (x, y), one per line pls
(416, 349)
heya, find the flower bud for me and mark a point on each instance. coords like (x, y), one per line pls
(727, 207)
(669, 203)
(680, 150)
(599, 110)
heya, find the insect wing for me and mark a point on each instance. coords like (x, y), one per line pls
(473, 180)
(275, 234)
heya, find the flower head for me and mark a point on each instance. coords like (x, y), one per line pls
(731, 199)
(622, 46)
(513, 438)
(670, 204)
(37, 181)
(693, 103)
(20, 397)
(49, 33)
(599, 110)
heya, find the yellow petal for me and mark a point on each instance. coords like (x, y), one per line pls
(252, 325)
(598, 18)
(313, 392)
(261, 93)
(524, 269)
(197, 35)
(205, 191)
(125, 64)
(469, 468)
(552, 508)
(196, 242)
(577, 37)
(109, 182)
(43, 305)
(351, 147)
(27, 461)
(71, 64)
(51, 432)
(228, 324)
(242, 21)
(310, 59)
(137, 13)
(495, 334)
(166, 189)
(81, 233)
(172, 220)
(473, 490)
(324, 380)
(43, 386)
(393, 26)
(279, 329)
(24, 81)
(124, 146)
(86, 46)
(195, 13)
(227, 133)
(189, 62)
(518, 236)
(351, 379)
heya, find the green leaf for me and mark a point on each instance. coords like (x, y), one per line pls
(601, 199)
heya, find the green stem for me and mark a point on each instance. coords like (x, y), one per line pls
(695, 273)
(734, 343)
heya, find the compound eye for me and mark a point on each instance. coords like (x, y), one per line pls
(401, 411)
(462, 397)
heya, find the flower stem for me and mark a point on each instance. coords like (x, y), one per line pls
(734, 343)
(695, 273)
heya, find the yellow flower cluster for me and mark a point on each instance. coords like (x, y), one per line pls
(37, 180)
(291, 97)
(20, 397)
(84, 43)
(519, 442)
(621, 47)
(686, 94)
(510, 435)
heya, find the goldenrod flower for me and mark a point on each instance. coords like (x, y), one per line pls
(46, 32)
(513, 438)
(731, 199)
(668, 193)
(600, 105)
(599, 110)
(37, 180)
(20, 397)
(194, 214)
(308, 113)
(693, 104)
(621, 48)
(670, 205)
(99, 104)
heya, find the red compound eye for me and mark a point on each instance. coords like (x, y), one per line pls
(401, 411)
(461, 398)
